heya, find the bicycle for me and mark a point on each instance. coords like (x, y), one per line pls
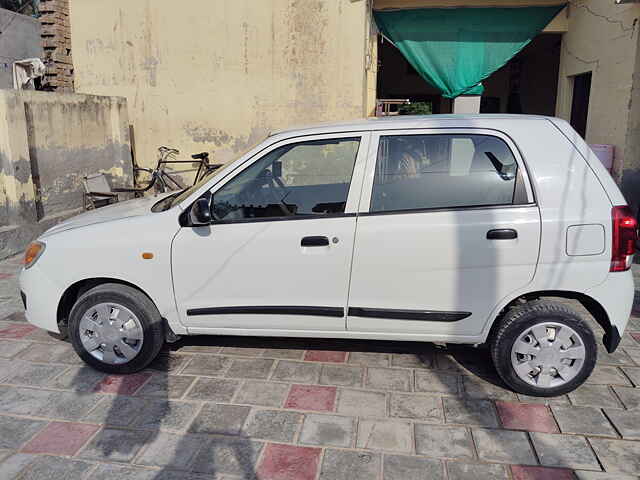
(164, 181)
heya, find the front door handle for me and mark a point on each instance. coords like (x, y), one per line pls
(502, 234)
(315, 242)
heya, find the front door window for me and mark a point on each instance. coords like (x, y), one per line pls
(300, 179)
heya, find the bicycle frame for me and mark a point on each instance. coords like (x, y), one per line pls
(159, 174)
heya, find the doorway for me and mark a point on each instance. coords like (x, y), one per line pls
(580, 103)
(527, 84)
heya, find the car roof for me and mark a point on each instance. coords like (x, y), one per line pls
(407, 122)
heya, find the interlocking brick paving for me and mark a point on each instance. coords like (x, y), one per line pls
(325, 356)
(61, 438)
(297, 409)
(311, 397)
(122, 384)
(287, 462)
(533, 417)
(540, 473)
(16, 331)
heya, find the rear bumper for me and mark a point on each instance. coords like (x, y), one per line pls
(615, 295)
(611, 339)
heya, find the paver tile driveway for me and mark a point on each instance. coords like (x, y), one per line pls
(292, 409)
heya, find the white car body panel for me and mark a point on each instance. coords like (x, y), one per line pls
(116, 211)
(566, 184)
(110, 249)
(265, 265)
(437, 257)
(436, 260)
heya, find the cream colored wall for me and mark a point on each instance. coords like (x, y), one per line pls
(602, 38)
(371, 65)
(48, 144)
(219, 75)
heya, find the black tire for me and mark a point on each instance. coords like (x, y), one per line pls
(522, 317)
(140, 305)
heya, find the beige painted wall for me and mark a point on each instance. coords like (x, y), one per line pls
(602, 38)
(48, 143)
(219, 75)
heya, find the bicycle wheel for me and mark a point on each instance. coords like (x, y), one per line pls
(143, 177)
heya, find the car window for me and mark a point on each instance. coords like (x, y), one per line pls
(306, 178)
(442, 171)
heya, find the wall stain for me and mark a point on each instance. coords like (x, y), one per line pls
(252, 67)
(245, 49)
(202, 134)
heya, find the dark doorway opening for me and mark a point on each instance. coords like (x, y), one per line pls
(528, 83)
(580, 103)
(397, 79)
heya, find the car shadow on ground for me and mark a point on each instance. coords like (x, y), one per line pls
(146, 427)
(476, 360)
(143, 423)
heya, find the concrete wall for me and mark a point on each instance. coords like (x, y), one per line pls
(20, 39)
(48, 143)
(603, 39)
(220, 75)
(631, 169)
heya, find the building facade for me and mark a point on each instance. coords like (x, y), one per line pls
(219, 76)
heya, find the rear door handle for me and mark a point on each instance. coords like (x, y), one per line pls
(502, 234)
(315, 242)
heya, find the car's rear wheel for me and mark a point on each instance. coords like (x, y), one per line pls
(116, 328)
(544, 348)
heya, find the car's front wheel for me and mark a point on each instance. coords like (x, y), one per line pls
(544, 348)
(116, 328)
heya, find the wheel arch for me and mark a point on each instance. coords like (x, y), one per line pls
(611, 337)
(74, 291)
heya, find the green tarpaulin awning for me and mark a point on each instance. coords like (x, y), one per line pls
(455, 49)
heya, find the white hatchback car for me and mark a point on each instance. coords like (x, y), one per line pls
(451, 229)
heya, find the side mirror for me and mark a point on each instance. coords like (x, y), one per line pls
(200, 213)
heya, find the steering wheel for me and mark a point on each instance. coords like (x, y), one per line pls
(275, 189)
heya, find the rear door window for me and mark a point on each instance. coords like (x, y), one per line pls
(416, 172)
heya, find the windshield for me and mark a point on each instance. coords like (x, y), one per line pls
(187, 192)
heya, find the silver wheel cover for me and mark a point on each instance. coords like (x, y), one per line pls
(548, 355)
(111, 333)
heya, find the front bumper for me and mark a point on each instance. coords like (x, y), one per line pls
(40, 296)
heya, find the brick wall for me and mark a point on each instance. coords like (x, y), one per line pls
(56, 41)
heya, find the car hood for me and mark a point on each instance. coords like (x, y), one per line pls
(117, 211)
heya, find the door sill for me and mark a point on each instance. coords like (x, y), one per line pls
(408, 337)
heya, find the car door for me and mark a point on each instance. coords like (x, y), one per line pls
(278, 252)
(447, 227)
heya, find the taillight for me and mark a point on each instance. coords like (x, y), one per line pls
(625, 234)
